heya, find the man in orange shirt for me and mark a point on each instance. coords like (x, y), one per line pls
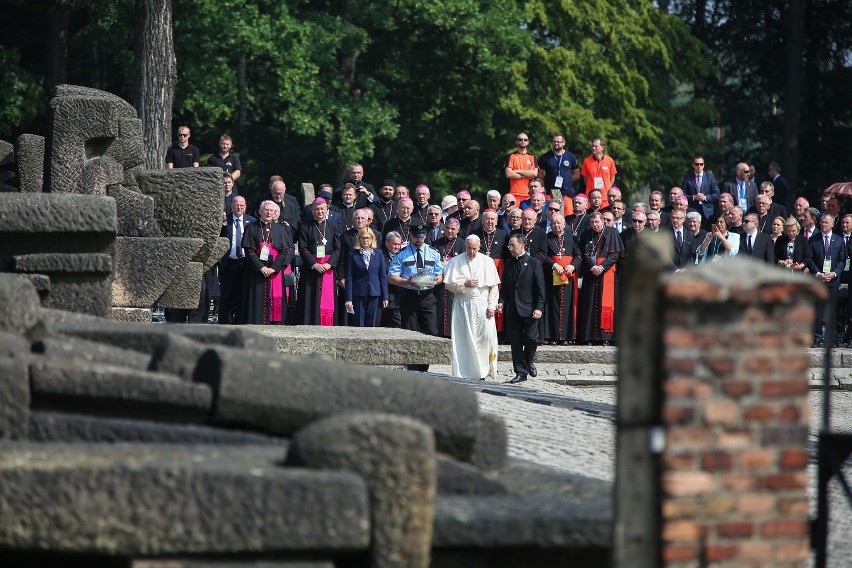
(520, 168)
(599, 171)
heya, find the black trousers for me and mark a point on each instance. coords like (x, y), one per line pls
(419, 312)
(523, 337)
(231, 279)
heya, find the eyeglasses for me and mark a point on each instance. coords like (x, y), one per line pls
(523, 139)
(638, 220)
(697, 163)
(183, 135)
(552, 209)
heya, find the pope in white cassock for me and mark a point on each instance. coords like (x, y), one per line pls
(473, 278)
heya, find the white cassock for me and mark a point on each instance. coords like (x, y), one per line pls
(474, 336)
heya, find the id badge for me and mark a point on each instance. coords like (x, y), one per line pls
(558, 182)
(826, 266)
(847, 265)
(320, 251)
(599, 184)
(264, 253)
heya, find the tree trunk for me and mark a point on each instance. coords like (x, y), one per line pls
(156, 75)
(793, 102)
(57, 49)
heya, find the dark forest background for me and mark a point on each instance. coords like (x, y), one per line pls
(434, 91)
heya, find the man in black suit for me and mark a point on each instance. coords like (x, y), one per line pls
(742, 189)
(347, 208)
(775, 209)
(782, 190)
(232, 264)
(492, 239)
(684, 242)
(826, 261)
(522, 298)
(701, 189)
(755, 243)
(365, 192)
(535, 239)
(434, 224)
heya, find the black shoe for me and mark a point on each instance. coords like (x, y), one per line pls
(533, 370)
(519, 378)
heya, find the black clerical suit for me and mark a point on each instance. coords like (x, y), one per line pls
(522, 293)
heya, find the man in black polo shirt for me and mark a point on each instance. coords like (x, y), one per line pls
(224, 159)
(182, 154)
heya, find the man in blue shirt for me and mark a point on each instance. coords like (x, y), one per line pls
(417, 303)
(560, 169)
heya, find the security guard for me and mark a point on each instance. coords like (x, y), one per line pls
(417, 303)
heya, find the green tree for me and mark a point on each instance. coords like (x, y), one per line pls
(624, 71)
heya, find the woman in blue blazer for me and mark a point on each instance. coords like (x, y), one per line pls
(366, 281)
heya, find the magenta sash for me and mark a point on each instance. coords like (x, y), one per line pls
(326, 294)
(275, 289)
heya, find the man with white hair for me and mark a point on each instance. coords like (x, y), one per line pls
(472, 278)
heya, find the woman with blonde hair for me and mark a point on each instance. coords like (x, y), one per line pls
(791, 247)
(366, 281)
(777, 228)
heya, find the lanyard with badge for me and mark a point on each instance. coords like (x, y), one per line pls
(265, 243)
(322, 240)
(559, 179)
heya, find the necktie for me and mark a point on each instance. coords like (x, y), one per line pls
(827, 244)
(419, 260)
(742, 195)
(238, 238)
(698, 182)
(748, 245)
(679, 239)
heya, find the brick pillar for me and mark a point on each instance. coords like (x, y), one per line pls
(735, 415)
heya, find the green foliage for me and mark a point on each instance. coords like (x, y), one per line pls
(619, 70)
(19, 90)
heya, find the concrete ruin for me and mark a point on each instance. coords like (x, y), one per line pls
(90, 228)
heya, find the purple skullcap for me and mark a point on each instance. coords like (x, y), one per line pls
(421, 185)
(318, 200)
(464, 192)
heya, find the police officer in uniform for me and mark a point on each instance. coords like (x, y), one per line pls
(417, 303)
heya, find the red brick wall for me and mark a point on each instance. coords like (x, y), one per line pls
(735, 412)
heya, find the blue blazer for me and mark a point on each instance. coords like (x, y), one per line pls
(709, 188)
(364, 281)
(836, 253)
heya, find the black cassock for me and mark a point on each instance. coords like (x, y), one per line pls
(447, 250)
(317, 292)
(560, 301)
(265, 299)
(596, 311)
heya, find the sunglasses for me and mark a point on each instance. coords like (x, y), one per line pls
(523, 139)
(697, 163)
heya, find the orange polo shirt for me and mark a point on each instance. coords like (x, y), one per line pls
(520, 188)
(599, 174)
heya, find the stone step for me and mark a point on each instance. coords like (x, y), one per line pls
(546, 369)
(568, 354)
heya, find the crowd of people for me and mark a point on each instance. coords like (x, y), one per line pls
(537, 265)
